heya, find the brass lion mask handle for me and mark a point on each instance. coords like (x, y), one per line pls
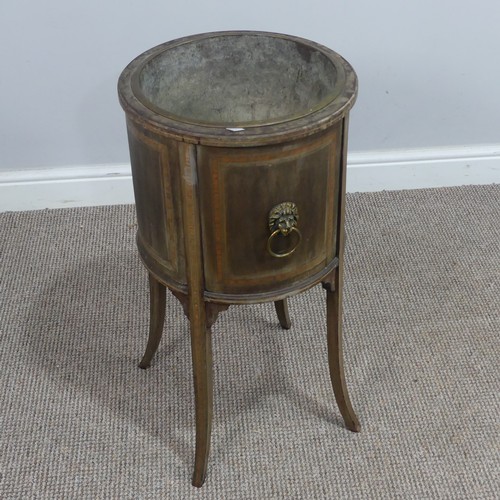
(283, 219)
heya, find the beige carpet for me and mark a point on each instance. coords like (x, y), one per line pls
(79, 420)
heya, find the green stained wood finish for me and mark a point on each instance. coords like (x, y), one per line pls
(223, 127)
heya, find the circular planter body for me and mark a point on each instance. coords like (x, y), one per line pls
(223, 128)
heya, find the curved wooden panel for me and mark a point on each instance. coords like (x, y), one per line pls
(239, 187)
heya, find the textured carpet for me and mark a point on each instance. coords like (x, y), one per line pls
(79, 420)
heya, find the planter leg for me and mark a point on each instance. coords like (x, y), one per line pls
(283, 315)
(335, 357)
(201, 348)
(157, 293)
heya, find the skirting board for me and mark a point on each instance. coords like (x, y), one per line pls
(369, 171)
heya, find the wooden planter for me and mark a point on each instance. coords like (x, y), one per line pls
(238, 146)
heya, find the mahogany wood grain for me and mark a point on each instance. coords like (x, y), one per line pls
(204, 191)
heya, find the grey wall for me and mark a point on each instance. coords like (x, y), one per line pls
(429, 69)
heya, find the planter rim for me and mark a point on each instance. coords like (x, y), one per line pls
(322, 116)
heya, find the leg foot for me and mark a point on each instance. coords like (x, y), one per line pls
(201, 348)
(335, 357)
(157, 318)
(283, 315)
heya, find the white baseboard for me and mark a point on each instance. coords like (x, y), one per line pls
(61, 187)
(423, 168)
(369, 171)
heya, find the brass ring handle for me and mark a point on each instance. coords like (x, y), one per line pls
(285, 254)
